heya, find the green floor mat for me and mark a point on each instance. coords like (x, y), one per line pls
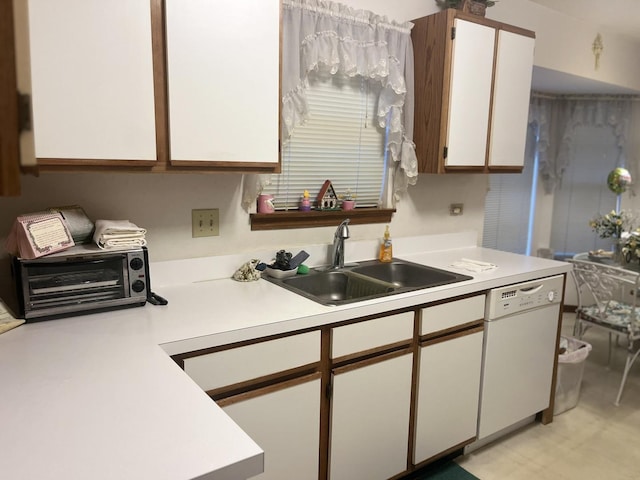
(447, 471)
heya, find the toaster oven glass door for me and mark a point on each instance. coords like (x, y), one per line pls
(75, 283)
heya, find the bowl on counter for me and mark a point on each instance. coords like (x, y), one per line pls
(277, 273)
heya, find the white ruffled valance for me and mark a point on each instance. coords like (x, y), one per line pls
(557, 120)
(320, 35)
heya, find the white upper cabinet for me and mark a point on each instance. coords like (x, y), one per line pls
(92, 79)
(472, 90)
(471, 75)
(223, 80)
(514, 61)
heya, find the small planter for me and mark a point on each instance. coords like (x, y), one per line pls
(475, 8)
(348, 204)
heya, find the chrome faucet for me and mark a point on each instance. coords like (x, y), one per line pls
(337, 255)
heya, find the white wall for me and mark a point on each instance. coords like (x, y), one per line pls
(162, 203)
(564, 43)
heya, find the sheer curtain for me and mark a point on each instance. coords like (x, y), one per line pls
(334, 38)
(580, 140)
(558, 117)
(584, 192)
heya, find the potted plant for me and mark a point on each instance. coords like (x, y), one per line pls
(615, 225)
(348, 200)
(476, 7)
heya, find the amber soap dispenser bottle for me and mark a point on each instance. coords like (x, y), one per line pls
(386, 249)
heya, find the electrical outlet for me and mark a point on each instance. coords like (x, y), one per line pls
(205, 222)
(456, 209)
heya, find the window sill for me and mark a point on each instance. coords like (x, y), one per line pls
(316, 218)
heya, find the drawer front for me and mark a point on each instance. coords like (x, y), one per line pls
(369, 334)
(452, 314)
(228, 367)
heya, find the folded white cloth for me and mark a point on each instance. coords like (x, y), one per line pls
(474, 265)
(118, 234)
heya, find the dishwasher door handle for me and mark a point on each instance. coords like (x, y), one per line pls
(531, 289)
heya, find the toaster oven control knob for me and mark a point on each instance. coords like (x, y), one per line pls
(137, 286)
(136, 263)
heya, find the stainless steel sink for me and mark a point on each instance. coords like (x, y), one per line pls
(366, 280)
(406, 274)
(336, 287)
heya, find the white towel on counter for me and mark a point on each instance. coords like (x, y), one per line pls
(474, 265)
(118, 234)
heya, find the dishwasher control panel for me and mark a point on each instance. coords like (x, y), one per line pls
(516, 298)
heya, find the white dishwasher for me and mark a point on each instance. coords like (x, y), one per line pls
(521, 325)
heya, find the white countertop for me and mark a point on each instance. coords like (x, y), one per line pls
(97, 396)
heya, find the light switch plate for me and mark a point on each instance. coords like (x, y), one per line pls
(205, 222)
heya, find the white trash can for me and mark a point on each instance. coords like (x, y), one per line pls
(570, 371)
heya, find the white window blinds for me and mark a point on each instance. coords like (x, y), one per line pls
(507, 207)
(339, 142)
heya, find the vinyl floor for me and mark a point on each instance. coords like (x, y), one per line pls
(595, 440)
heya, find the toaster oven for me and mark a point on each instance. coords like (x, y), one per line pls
(82, 279)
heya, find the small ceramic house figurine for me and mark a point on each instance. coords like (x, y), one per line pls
(327, 198)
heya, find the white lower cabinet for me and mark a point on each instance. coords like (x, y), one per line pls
(448, 393)
(250, 362)
(285, 422)
(371, 334)
(336, 403)
(370, 419)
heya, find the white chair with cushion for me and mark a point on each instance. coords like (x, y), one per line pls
(612, 307)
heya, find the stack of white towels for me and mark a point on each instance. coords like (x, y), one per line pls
(118, 234)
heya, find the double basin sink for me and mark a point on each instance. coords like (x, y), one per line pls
(366, 280)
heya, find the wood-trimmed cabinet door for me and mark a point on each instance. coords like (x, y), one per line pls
(448, 395)
(273, 390)
(472, 103)
(510, 109)
(284, 420)
(91, 79)
(470, 94)
(223, 82)
(369, 429)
